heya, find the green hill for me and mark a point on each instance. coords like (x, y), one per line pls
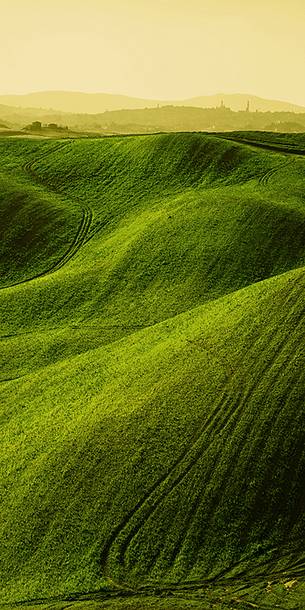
(152, 307)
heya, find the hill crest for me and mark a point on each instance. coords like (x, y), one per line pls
(93, 103)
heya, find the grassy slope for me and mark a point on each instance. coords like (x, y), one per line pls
(161, 360)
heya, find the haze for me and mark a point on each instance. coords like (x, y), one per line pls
(162, 49)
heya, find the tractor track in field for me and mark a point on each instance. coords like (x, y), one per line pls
(79, 240)
(268, 175)
(29, 165)
(80, 326)
(216, 421)
(282, 149)
(11, 379)
(82, 236)
(171, 478)
(99, 226)
(149, 496)
(196, 590)
(29, 168)
(84, 230)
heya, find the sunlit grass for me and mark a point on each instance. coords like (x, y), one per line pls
(153, 372)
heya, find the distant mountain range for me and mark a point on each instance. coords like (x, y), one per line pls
(151, 120)
(93, 103)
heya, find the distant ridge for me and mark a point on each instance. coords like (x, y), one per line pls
(239, 101)
(91, 103)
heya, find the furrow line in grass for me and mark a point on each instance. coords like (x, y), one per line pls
(28, 167)
(82, 232)
(74, 247)
(79, 327)
(285, 150)
(217, 414)
(214, 429)
(258, 577)
(79, 596)
(156, 591)
(192, 459)
(266, 177)
(195, 504)
(268, 366)
(79, 240)
(11, 379)
(192, 453)
(99, 226)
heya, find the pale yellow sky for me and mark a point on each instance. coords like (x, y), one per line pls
(166, 49)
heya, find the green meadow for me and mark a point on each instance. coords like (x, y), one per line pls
(152, 299)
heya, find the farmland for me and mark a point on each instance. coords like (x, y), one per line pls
(152, 389)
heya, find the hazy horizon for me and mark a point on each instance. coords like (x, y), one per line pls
(166, 50)
(152, 98)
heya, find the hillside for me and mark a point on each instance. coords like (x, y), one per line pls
(239, 101)
(154, 120)
(96, 103)
(152, 333)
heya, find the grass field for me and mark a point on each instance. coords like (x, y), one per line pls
(152, 336)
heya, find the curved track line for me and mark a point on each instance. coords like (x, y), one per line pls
(78, 241)
(99, 226)
(191, 454)
(266, 177)
(281, 149)
(82, 234)
(284, 150)
(28, 167)
(11, 379)
(216, 421)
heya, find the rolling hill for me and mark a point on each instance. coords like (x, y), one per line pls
(154, 120)
(239, 101)
(95, 103)
(152, 335)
